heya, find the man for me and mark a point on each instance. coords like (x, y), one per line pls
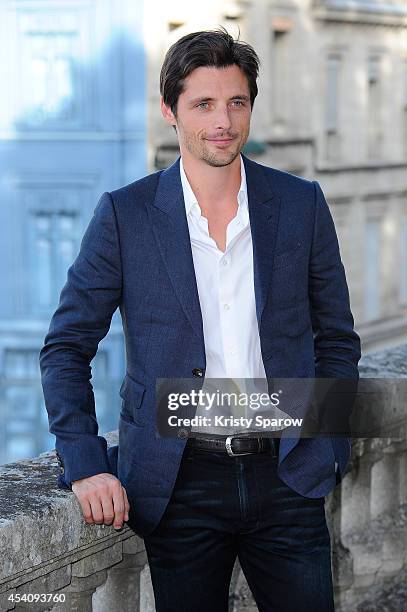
(221, 267)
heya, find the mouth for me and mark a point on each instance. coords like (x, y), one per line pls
(221, 142)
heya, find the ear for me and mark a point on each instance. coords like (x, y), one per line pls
(167, 113)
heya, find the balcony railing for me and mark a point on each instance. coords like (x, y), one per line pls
(50, 559)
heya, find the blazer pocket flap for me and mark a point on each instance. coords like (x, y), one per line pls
(132, 391)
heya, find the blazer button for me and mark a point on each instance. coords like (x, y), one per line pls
(197, 372)
(61, 470)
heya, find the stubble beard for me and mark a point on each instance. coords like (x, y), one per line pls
(199, 149)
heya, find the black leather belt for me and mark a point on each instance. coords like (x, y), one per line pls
(234, 445)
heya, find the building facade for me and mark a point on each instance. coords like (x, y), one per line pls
(72, 125)
(332, 107)
(80, 114)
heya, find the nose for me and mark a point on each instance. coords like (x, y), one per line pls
(222, 118)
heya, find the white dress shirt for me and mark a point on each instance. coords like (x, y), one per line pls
(225, 284)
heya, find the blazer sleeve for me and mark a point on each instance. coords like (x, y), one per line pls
(87, 303)
(337, 345)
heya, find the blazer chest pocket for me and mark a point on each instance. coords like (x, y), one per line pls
(132, 394)
(291, 321)
(288, 258)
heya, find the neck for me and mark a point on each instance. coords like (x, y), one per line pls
(213, 185)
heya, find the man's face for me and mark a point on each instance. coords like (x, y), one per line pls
(213, 114)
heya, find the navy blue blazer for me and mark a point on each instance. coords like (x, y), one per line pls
(136, 255)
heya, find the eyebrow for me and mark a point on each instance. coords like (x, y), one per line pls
(208, 99)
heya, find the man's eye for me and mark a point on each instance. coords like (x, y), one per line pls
(202, 105)
(238, 102)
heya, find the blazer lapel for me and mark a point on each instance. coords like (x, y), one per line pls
(169, 223)
(264, 210)
(170, 227)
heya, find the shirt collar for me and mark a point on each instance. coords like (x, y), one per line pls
(191, 203)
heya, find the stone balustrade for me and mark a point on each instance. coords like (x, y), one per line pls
(47, 548)
(368, 512)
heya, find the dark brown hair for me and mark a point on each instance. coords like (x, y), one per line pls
(206, 48)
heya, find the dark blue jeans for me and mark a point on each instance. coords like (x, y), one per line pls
(226, 507)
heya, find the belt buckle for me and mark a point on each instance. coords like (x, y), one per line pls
(230, 452)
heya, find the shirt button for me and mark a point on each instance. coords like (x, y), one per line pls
(225, 262)
(226, 306)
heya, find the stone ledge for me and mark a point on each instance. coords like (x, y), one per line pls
(47, 546)
(43, 531)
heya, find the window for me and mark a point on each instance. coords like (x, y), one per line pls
(51, 46)
(332, 106)
(372, 269)
(280, 63)
(374, 94)
(52, 248)
(23, 422)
